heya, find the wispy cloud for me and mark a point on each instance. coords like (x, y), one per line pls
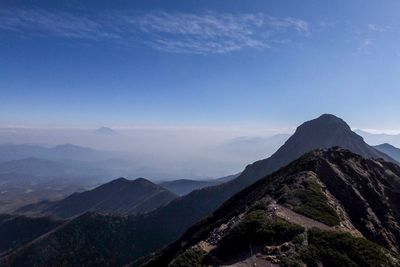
(40, 22)
(379, 28)
(200, 33)
(382, 131)
(366, 45)
(368, 37)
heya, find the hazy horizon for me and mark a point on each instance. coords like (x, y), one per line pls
(200, 89)
(168, 153)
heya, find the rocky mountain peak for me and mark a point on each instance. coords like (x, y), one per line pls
(328, 202)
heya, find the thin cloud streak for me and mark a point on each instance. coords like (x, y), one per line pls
(207, 32)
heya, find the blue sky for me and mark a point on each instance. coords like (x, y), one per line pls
(269, 63)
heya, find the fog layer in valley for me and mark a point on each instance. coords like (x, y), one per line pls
(163, 153)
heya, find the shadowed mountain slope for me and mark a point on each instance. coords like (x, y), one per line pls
(18, 230)
(389, 150)
(323, 132)
(184, 186)
(120, 196)
(335, 198)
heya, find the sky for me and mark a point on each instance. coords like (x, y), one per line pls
(271, 64)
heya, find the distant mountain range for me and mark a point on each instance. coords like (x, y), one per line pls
(329, 204)
(118, 197)
(71, 159)
(43, 167)
(17, 190)
(185, 186)
(29, 180)
(61, 152)
(390, 150)
(379, 138)
(129, 238)
(30, 173)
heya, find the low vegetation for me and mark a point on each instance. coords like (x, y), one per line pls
(311, 202)
(340, 249)
(192, 257)
(256, 229)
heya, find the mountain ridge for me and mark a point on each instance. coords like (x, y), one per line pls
(204, 201)
(390, 150)
(11, 151)
(120, 196)
(334, 172)
(184, 186)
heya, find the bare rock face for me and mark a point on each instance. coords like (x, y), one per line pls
(328, 202)
(369, 192)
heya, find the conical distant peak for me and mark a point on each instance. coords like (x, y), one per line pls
(332, 118)
(105, 131)
(327, 120)
(324, 132)
(328, 116)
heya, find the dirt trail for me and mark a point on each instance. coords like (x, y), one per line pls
(296, 218)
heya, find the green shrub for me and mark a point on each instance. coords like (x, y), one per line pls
(311, 202)
(256, 229)
(192, 257)
(291, 262)
(342, 249)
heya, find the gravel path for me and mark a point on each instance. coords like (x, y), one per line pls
(294, 217)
